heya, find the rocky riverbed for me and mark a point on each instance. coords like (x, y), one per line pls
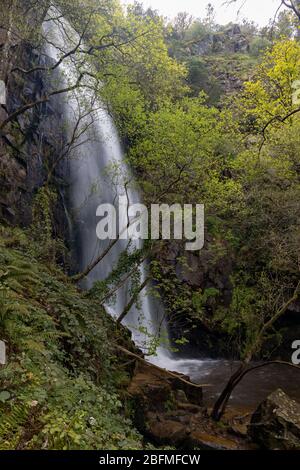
(170, 411)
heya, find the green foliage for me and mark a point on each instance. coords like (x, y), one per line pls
(200, 298)
(264, 226)
(270, 93)
(258, 46)
(183, 143)
(286, 26)
(58, 360)
(141, 76)
(186, 143)
(190, 151)
(128, 262)
(47, 247)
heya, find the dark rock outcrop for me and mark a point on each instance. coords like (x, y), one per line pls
(169, 411)
(227, 40)
(201, 273)
(157, 391)
(276, 423)
(30, 144)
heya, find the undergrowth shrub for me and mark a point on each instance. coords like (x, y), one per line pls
(60, 387)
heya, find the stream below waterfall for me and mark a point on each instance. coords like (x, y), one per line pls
(250, 392)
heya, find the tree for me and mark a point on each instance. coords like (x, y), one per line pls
(92, 17)
(269, 96)
(286, 25)
(181, 25)
(210, 18)
(293, 5)
(255, 347)
(141, 78)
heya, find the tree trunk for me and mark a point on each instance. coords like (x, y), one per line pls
(222, 402)
(133, 300)
(220, 406)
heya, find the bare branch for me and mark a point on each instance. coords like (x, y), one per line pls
(92, 266)
(71, 145)
(59, 62)
(277, 118)
(292, 6)
(171, 374)
(45, 99)
(133, 300)
(122, 282)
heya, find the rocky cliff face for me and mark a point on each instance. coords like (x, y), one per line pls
(206, 281)
(219, 63)
(231, 40)
(30, 143)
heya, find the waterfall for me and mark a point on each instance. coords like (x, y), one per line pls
(90, 184)
(96, 151)
(92, 158)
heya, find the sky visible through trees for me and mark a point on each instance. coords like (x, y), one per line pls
(255, 10)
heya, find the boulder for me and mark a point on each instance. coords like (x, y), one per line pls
(162, 398)
(276, 423)
(155, 388)
(184, 432)
(170, 412)
(166, 429)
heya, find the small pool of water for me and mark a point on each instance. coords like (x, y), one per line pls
(254, 388)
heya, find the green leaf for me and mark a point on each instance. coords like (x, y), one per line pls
(4, 396)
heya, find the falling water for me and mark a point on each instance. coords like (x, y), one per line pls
(96, 172)
(91, 183)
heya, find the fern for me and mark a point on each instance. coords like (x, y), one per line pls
(19, 276)
(11, 425)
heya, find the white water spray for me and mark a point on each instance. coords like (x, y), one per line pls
(95, 153)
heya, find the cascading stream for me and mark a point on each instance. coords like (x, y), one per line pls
(96, 171)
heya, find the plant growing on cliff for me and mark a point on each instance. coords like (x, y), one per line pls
(47, 246)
